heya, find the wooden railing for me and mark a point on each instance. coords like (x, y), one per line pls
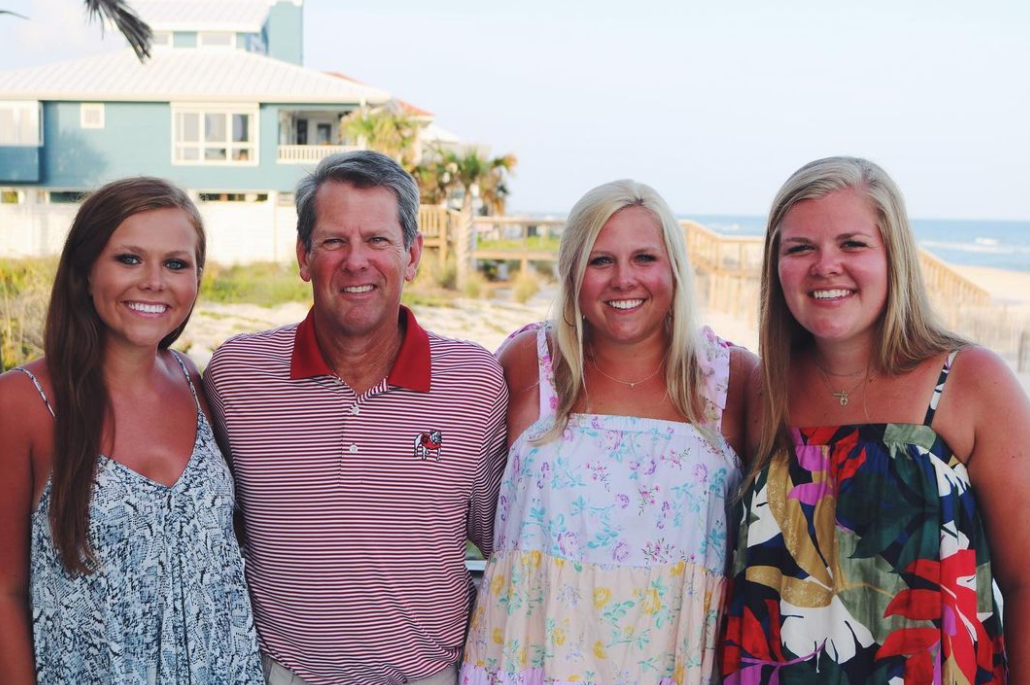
(309, 154)
(731, 264)
(437, 224)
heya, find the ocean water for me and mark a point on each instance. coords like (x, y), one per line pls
(997, 244)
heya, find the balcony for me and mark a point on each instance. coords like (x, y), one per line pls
(309, 154)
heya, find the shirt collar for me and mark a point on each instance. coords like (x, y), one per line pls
(410, 370)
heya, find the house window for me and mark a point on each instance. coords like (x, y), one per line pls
(65, 197)
(222, 136)
(323, 133)
(10, 196)
(161, 39)
(216, 39)
(91, 115)
(20, 124)
(234, 197)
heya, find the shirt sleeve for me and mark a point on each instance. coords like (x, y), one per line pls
(217, 403)
(487, 484)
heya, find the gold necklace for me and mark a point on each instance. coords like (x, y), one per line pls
(632, 384)
(841, 395)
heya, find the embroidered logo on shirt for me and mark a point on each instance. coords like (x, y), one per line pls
(428, 444)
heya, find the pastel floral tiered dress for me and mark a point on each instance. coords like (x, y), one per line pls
(610, 554)
(864, 560)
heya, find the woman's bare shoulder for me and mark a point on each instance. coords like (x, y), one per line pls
(23, 410)
(518, 358)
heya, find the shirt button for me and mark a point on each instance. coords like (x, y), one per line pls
(355, 409)
(353, 448)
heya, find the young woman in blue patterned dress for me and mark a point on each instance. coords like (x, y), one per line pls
(609, 564)
(891, 484)
(120, 566)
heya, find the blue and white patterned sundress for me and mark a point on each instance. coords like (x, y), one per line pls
(167, 603)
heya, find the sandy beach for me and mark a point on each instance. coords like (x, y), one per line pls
(485, 321)
(489, 321)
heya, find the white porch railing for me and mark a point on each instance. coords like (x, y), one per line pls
(309, 154)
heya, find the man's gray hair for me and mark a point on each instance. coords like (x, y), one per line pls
(362, 169)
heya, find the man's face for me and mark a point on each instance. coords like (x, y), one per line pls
(357, 264)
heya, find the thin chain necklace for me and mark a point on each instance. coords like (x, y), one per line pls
(842, 395)
(838, 375)
(631, 384)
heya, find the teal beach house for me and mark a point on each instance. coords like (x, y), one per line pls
(224, 107)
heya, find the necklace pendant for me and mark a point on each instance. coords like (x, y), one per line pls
(843, 397)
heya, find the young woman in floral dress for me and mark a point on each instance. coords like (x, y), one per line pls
(892, 483)
(610, 556)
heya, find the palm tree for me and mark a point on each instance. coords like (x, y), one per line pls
(123, 17)
(442, 172)
(493, 189)
(393, 133)
(125, 20)
(486, 177)
(435, 178)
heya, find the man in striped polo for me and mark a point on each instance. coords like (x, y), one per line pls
(365, 449)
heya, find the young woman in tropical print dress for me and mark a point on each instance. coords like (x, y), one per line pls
(611, 537)
(891, 485)
(119, 565)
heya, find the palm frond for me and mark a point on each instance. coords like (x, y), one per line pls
(13, 14)
(125, 20)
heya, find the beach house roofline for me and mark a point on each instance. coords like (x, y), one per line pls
(183, 75)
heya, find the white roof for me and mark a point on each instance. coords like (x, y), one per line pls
(183, 75)
(247, 16)
(435, 134)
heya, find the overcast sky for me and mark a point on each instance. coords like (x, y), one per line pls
(714, 103)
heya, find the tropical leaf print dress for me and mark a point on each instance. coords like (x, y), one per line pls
(610, 554)
(864, 561)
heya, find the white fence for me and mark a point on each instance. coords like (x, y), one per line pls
(237, 232)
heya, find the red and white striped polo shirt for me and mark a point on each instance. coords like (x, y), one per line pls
(356, 509)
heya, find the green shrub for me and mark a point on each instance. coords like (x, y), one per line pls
(266, 284)
(475, 285)
(25, 286)
(525, 286)
(436, 272)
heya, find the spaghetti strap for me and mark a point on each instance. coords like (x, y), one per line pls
(939, 389)
(548, 393)
(39, 389)
(186, 372)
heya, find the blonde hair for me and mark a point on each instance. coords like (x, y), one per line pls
(907, 330)
(683, 375)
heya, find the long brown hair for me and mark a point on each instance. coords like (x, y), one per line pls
(74, 345)
(908, 331)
